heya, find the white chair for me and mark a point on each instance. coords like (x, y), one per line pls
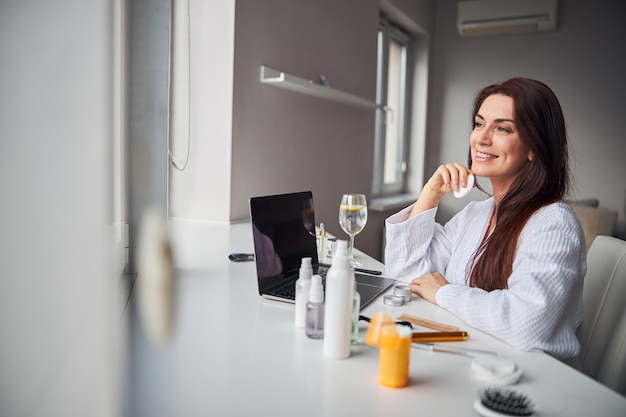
(613, 369)
(604, 297)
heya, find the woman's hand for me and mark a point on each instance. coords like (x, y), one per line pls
(427, 286)
(446, 179)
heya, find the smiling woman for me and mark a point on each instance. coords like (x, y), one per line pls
(511, 265)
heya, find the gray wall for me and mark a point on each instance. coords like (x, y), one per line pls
(284, 141)
(584, 63)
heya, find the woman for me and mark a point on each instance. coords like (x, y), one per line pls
(512, 265)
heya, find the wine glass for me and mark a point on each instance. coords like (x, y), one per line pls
(352, 216)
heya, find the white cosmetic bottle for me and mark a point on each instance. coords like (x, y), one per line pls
(315, 310)
(303, 287)
(338, 305)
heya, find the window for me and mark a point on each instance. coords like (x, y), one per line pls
(394, 69)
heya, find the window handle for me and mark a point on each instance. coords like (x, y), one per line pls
(388, 113)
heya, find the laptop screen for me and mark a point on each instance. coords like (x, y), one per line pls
(284, 232)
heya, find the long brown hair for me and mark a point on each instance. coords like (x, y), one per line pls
(544, 180)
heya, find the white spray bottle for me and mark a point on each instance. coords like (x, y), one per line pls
(338, 308)
(303, 286)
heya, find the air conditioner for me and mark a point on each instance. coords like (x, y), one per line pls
(505, 17)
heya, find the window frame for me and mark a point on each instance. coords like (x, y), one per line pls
(388, 33)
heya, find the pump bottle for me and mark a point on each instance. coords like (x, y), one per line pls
(303, 285)
(315, 310)
(338, 306)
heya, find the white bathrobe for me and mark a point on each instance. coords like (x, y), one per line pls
(542, 308)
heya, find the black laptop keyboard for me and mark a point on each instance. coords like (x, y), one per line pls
(289, 291)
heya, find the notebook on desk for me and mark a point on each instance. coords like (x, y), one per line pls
(283, 228)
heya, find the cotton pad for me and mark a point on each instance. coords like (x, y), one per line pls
(463, 191)
(496, 370)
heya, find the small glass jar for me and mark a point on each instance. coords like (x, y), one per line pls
(403, 291)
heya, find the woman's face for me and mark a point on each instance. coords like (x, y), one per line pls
(497, 150)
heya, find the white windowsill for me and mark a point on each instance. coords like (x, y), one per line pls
(393, 202)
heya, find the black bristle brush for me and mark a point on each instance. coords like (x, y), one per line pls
(498, 402)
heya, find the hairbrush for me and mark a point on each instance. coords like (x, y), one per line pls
(498, 402)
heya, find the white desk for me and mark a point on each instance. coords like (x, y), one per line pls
(235, 354)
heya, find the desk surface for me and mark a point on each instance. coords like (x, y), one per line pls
(235, 353)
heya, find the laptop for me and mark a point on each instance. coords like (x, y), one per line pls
(283, 228)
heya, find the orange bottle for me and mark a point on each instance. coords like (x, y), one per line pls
(394, 343)
(394, 357)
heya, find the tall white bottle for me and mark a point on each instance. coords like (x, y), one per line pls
(303, 286)
(338, 308)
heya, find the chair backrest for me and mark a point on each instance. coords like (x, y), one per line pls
(613, 368)
(604, 297)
